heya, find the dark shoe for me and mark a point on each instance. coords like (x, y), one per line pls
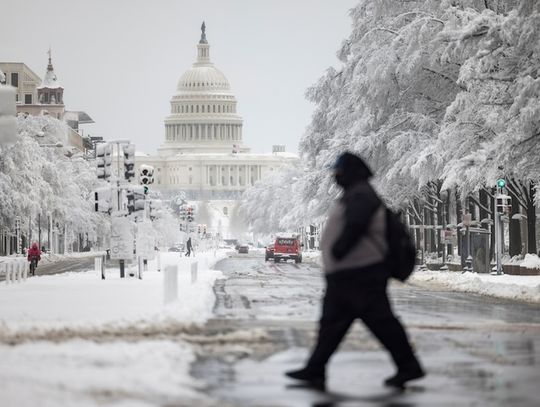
(310, 379)
(405, 375)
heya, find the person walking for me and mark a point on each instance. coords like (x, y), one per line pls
(354, 250)
(189, 247)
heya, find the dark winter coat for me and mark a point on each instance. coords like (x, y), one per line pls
(354, 234)
(34, 252)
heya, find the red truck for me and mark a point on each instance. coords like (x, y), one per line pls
(287, 247)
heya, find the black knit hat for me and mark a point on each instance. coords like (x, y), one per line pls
(353, 166)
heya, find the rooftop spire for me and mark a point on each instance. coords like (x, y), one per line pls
(203, 34)
(49, 67)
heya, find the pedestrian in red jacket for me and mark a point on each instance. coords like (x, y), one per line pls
(34, 252)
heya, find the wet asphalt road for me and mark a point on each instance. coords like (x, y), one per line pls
(478, 351)
(46, 267)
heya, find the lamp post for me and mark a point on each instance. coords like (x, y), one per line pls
(444, 197)
(467, 223)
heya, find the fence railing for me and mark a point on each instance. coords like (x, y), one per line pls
(14, 270)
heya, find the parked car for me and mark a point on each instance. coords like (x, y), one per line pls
(269, 252)
(243, 248)
(287, 247)
(174, 249)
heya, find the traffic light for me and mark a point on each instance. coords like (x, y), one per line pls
(103, 161)
(146, 174)
(129, 161)
(504, 204)
(199, 229)
(181, 227)
(102, 199)
(154, 208)
(190, 214)
(130, 196)
(182, 213)
(204, 229)
(135, 199)
(501, 183)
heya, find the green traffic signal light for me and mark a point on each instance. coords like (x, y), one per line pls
(145, 190)
(501, 183)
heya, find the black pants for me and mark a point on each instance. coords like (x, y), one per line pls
(351, 295)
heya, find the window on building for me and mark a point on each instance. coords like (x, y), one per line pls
(231, 180)
(191, 108)
(214, 108)
(197, 108)
(15, 79)
(202, 108)
(190, 180)
(190, 168)
(222, 180)
(225, 211)
(219, 109)
(28, 99)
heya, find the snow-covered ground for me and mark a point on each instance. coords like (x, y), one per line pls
(52, 321)
(81, 300)
(85, 373)
(522, 288)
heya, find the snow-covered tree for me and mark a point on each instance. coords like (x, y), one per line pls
(37, 179)
(273, 203)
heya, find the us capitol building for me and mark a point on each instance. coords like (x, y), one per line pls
(203, 154)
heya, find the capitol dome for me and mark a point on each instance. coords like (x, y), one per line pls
(203, 115)
(203, 78)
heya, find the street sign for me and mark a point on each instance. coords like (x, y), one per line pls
(145, 240)
(121, 239)
(449, 237)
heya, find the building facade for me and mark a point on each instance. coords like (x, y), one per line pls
(36, 96)
(203, 153)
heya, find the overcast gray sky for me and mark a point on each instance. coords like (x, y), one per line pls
(120, 60)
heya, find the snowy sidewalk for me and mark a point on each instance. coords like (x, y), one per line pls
(76, 335)
(82, 301)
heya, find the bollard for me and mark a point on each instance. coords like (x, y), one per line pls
(194, 269)
(8, 273)
(97, 264)
(170, 284)
(24, 268)
(103, 267)
(141, 267)
(3, 269)
(18, 270)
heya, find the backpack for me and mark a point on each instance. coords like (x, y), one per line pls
(401, 254)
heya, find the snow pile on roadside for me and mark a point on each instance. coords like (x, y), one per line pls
(84, 373)
(82, 301)
(523, 288)
(531, 261)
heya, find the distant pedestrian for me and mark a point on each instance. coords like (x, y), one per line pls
(354, 249)
(189, 248)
